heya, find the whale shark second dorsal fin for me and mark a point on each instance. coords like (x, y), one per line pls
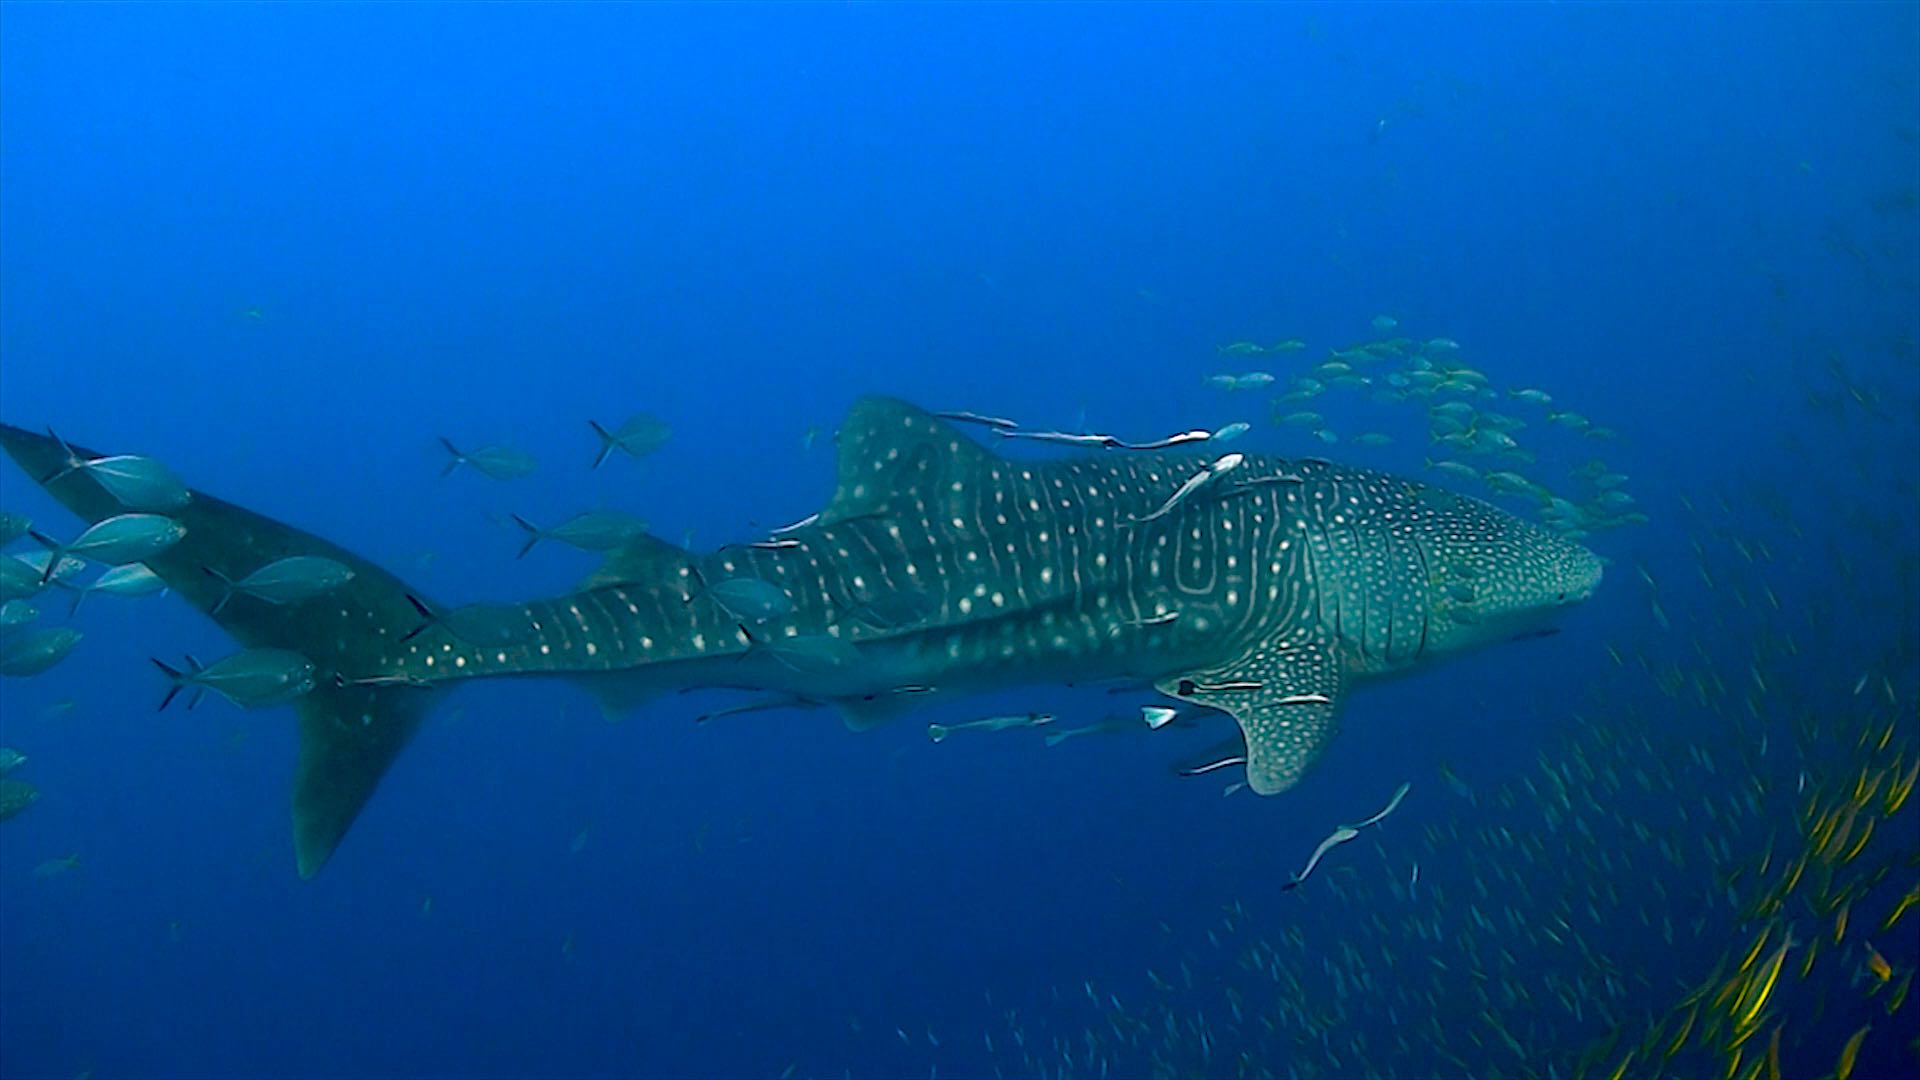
(889, 448)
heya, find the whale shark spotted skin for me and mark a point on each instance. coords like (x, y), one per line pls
(937, 568)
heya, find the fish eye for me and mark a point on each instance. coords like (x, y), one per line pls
(1561, 598)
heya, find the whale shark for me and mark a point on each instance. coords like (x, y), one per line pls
(1261, 587)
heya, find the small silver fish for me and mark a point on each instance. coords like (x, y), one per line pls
(939, 732)
(1340, 836)
(1392, 805)
(1225, 463)
(965, 417)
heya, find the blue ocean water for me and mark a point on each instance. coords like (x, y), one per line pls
(283, 248)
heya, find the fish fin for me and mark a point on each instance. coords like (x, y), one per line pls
(176, 681)
(621, 693)
(338, 768)
(608, 444)
(1055, 738)
(69, 461)
(54, 555)
(644, 560)
(1210, 759)
(226, 593)
(455, 461)
(349, 735)
(1284, 734)
(870, 711)
(533, 534)
(888, 447)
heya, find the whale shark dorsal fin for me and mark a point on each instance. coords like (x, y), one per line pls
(889, 448)
(1286, 700)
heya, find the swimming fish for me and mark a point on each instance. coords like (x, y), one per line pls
(121, 539)
(133, 579)
(25, 653)
(250, 679)
(913, 498)
(637, 437)
(16, 795)
(492, 462)
(939, 732)
(1339, 836)
(592, 530)
(136, 483)
(291, 580)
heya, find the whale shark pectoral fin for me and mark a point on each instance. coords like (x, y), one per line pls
(1286, 701)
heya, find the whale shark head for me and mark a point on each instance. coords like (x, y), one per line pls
(1493, 576)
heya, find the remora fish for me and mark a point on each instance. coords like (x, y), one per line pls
(1289, 592)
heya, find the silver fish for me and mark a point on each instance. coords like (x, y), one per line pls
(492, 462)
(31, 652)
(123, 538)
(591, 530)
(939, 732)
(250, 678)
(286, 581)
(639, 436)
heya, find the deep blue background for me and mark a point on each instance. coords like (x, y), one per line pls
(494, 223)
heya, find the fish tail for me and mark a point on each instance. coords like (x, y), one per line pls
(226, 591)
(534, 534)
(349, 734)
(54, 554)
(456, 458)
(69, 461)
(177, 680)
(1055, 738)
(607, 442)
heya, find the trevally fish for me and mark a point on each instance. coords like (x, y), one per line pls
(1294, 580)
(285, 581)
(16, 795)
(136, 483)
(492, 462)
(133, 579)
(592, 530)
(639, 436)
(30, 652)
(249, 679)
(120, 539)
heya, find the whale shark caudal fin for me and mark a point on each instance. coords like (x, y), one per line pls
(349, 733)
